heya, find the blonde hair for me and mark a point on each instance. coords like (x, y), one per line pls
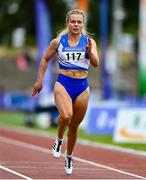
(79, 12)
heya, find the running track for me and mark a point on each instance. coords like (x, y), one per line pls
(25, 155)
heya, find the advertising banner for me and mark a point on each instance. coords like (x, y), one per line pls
(130, 126)
(44, 37)
(101, 120)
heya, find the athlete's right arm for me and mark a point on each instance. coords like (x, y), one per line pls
(48, 54)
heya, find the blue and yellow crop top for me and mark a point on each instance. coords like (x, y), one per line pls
(73, 58)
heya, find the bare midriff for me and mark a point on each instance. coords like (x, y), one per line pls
(74, 73)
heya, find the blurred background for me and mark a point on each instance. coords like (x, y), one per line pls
(118, 87)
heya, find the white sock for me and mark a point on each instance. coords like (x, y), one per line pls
(59, 139)
(69, 155)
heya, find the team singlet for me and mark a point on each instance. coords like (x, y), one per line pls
(73, 58)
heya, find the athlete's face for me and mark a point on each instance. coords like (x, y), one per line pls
(75, 23)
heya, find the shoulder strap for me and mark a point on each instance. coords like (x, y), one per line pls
(64, 40)
(83, 41)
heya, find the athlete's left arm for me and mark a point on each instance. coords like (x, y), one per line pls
(91, 48)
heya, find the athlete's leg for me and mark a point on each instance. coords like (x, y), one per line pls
(79, 110)
(64, 106)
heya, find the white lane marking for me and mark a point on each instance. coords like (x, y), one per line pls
(109, 168)
(111, 147)
(45, 150)
(14, 172)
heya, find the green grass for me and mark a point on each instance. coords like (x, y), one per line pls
(17, 119)
(11, 118)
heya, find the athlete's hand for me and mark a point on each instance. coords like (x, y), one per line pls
(37, 88)
(89, 46)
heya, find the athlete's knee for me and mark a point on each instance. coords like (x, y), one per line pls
(66, 117)
(73, 127)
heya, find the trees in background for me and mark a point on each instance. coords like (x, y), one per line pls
(21, 13)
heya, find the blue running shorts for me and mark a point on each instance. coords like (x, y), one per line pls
(73, 86)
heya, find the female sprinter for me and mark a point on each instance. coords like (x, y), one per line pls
(76, 51)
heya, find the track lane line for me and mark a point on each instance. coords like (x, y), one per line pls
(80, 141)
(45, 150)
(14, 172)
